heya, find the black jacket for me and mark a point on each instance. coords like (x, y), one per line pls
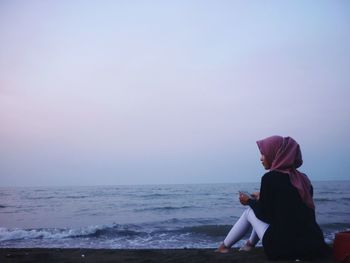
(293, 232)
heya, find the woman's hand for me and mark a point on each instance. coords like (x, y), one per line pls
(256, 195)
(243, 198)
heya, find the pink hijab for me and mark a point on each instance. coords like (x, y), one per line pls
(284, 155)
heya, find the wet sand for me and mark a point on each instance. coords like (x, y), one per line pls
(38, 255)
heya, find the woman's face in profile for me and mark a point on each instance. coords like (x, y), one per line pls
(264, 162)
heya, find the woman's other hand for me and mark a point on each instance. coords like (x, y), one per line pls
(243, 198)
(256, 195)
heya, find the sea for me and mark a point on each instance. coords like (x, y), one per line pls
(143, 216)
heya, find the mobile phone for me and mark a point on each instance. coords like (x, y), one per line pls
(244, 192)
(247, 193)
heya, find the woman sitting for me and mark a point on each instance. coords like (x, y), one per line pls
(283, 216)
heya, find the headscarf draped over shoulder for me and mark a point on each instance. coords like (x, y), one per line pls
(284, 155)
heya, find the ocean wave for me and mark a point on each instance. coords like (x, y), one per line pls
(129, 235)
(323, 199)
(18, 234)
(41, 197)
(57, 197)
(154, 195)
(113, 231)
(180, 223)
(163, 208)
(3, 206)
(333, 192)
(335, 226)
(59, 233)
(76, 196)
(208, 230)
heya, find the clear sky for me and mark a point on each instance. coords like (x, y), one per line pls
(147, 92)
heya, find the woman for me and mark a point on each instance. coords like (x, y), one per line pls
(283, 216)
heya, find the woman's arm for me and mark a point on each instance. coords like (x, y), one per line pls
(263, 207)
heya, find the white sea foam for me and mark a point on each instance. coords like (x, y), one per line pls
(53, 233)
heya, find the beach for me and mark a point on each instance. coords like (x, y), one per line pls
(38, 255)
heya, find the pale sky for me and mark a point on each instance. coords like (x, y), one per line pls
(148, 92)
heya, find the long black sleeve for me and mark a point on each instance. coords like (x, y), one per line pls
(263, 207)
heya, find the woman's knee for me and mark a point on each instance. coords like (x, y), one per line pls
(248, 210)
(246, 213)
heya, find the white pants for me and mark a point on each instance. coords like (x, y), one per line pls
(247, 221)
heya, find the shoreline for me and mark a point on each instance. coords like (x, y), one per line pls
(52, 255)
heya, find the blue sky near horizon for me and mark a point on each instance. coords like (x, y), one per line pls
(138, 92)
